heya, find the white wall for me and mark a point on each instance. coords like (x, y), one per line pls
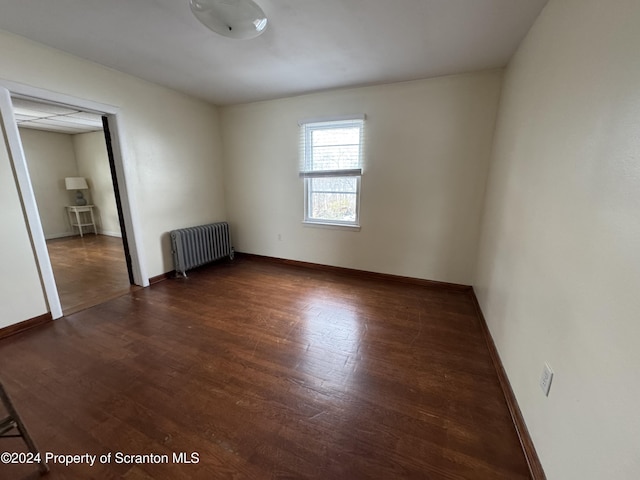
(172, 147)
(21, 294)
(559, 264)
(427, 150)
(50, 158)
(93, 164)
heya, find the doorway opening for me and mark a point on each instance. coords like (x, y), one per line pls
(71, 164)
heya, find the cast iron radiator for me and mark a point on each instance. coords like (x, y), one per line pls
(195, 246)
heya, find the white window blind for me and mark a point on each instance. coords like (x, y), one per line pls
(331, 164)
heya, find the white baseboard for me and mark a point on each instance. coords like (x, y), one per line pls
(59, 235)
(109, 234)
(76, 234)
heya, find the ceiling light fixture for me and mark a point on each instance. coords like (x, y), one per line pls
(240, 19)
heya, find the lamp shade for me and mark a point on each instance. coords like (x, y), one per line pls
(240, 19)
(76, 183)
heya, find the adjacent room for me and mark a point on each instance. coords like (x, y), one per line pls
(424, 258)
(68, 163)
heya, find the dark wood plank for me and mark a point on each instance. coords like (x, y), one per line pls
(88, 270)
(162, 277)
(533, 461)
(26, 325)
(268, 371)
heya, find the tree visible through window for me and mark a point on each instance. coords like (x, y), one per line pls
(332, 169)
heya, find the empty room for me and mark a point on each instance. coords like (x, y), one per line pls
(357, 239)
(66, 154)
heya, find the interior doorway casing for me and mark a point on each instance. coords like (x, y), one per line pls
(129, 208)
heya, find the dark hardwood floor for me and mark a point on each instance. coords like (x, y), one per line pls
(266, 371)
(88, 270)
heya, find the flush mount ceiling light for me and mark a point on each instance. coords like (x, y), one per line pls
(240, 19)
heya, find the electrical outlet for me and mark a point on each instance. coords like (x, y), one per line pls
(545, 379)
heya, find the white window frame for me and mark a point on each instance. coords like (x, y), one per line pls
(308, 174)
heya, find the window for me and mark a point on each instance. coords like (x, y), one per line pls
(331, 161)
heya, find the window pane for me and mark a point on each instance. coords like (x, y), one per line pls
(334, 184)
(335, 157)
(333, 206)
(333, 198)
(335, 136)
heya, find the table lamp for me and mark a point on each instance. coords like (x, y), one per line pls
(78, 184)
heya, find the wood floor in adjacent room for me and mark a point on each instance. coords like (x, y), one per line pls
(88, 270)
(266, 371)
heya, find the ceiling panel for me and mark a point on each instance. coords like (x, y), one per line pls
(55, 118)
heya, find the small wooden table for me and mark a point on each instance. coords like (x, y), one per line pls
(78, 217)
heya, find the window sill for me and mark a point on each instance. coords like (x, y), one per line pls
(335, 226)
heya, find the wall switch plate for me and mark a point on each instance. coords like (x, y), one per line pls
(545, 379)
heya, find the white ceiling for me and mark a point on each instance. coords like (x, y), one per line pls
(309, 45)
(54, 118)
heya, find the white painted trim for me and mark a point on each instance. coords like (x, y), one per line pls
(28, 198)
(23, 90)
(334, 118)
(109, 233)
(53, 236)
(129, 204)
(106, 233)
(335, 226)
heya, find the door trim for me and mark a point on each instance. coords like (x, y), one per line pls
(28, 199)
